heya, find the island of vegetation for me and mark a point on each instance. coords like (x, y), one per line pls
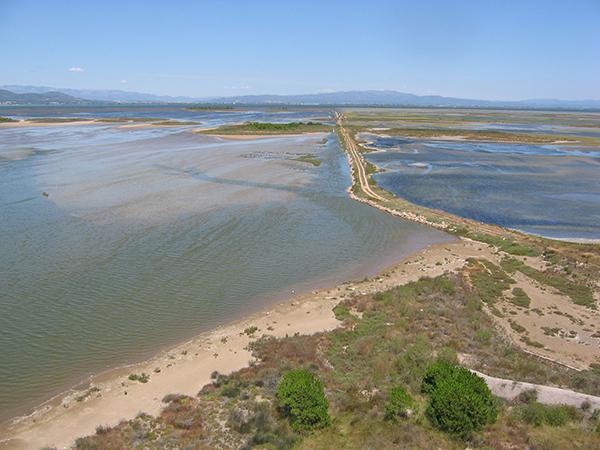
(309, 158)
(264, 128)
(215, 107)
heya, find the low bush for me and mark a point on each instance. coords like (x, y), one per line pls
(537, 414)
(460, 401)
(399, 404)
(301, 397)
(520, 298)
(142, 378)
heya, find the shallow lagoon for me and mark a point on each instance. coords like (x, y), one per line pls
(151, 235)
(550, 190)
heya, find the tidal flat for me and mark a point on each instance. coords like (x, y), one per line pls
(120, 242)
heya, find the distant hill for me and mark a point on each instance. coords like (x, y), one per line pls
(358, 98)
(46, 98)
(102, 95)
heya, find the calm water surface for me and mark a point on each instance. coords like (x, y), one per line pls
(550, 190)
(151, 235)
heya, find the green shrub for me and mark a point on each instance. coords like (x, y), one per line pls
(434, 373)
(142, 378)
(460, 401)
(302, 398)
(537, 414)
(251, 330)
(399, 404)
(520, 298)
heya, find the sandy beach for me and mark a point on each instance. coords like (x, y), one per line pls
(25, 123)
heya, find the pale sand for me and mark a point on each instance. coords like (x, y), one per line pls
(24, 123)
(124, 124)
(548, 395)
(59, 422)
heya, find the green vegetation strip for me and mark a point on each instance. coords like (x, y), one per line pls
(503, 243)
(261, 128)
(6, 120)
(480, 135)
(308, 158)
(210, 107)
(489, 280)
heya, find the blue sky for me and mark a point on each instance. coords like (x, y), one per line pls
(478, 49)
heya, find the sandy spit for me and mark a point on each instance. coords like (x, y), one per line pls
(25, 123)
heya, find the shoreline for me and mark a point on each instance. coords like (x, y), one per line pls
(186, 367)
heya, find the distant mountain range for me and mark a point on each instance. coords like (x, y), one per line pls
(395, 98)
(46, 98)
(102, 95)
(27, 95)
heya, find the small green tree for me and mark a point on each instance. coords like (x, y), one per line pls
(399, 404)
(301, 397)
(460, 401)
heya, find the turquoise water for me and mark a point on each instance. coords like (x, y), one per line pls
(149, 236)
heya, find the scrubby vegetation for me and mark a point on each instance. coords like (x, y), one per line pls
(399, 405)
(6, 120)
(390, 377)
(581, 294)
(520, 298)
(142, 378)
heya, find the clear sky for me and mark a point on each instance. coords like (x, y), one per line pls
(477, 49)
